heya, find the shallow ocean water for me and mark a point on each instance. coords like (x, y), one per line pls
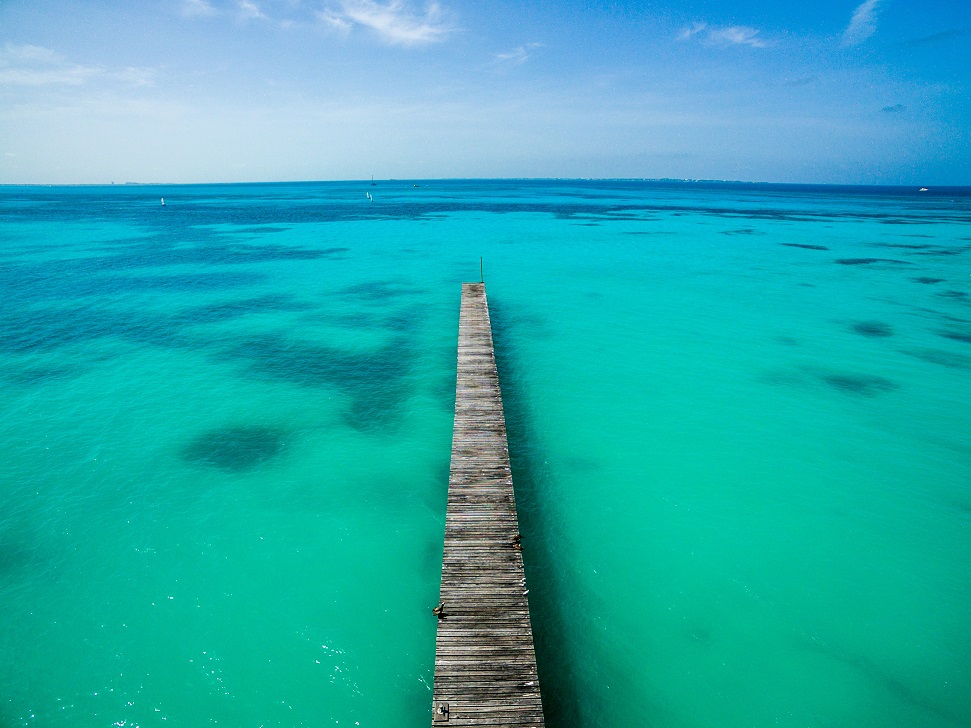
(737, 415)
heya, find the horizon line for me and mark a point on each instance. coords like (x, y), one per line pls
(680, 180)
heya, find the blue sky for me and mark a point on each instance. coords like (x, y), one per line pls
(872, 92)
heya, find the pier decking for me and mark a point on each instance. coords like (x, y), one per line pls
(485, 666)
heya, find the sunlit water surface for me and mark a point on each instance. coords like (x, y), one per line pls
(739, 419)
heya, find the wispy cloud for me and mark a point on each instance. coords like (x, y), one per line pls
(30, 65)
(197, 9)
(725, 35)
(394, 21)
(249, 10)
(335, 20)
(135, 76)
(737, 35)
(13, 55)
(691, 32)
(517, 56)
(863, 24)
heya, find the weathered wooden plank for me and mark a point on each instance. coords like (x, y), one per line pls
(485, 664)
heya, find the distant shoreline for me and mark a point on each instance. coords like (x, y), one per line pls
(916, 187)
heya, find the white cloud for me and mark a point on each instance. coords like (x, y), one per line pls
(29, 54)
(728, 35)
(249, 10)
(517, 56)
(197, 8)
(29, 65)
(135, 76)
(863, 24)
(335, 21)
(393, 21)
(737, 35)
(688, 33)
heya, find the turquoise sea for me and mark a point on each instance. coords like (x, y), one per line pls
(739, 416)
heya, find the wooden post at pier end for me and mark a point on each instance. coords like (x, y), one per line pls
(485, 665)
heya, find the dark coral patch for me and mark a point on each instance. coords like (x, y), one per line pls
(874, 329)
(870, 261)
(956, 335)
(236, 449)
(162, 252)
(376, 380)
(261, 230)
(743, 231)
(17, 549)
(40, 375)
(938, 356)
(864, 385)
(235, 308)
(178, 283)
(380, 290)
(941, 251)
(804, 245)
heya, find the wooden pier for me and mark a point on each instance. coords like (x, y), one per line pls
(485, 666)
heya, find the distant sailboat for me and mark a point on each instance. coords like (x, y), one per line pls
(163, 202)
(372, 181)
(370, 199)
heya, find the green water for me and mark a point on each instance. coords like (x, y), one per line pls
(742, 464)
